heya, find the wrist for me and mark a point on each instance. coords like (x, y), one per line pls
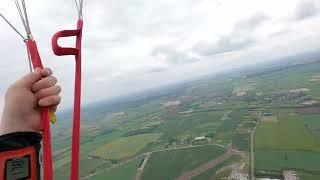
(11, 125)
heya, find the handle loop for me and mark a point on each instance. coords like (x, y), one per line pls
(64, 51)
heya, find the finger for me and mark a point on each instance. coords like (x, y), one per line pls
(44, 83)
(53, 90)
(46, 72)
(49, 101)
(29, 79)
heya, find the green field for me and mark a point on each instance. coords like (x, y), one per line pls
(308, 176)
(311, 121)
(124, 147)
(287, 143)
(211, 173)
(230, 124)
(275, 160)
(193, 124)
(241, 141)
(223, 175)
(289, 133)
(87, 166)
(223, 109)
(171, 164)
(124, 172)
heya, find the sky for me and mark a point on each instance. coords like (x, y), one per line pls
(132, 45)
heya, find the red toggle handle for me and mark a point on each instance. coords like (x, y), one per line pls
(62, 51)
(45, 120)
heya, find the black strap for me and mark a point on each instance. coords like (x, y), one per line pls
(18, 140)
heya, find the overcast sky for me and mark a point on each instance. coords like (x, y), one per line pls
(131, 45)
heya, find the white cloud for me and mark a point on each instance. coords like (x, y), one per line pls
(306, 9)
(131, 45)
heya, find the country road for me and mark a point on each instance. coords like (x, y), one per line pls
(252, 171)
(141, 168)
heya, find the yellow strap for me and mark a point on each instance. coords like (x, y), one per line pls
(53, 118)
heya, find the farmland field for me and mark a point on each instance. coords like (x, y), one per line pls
(287, 143)
(87, 166)
(312, 121)
(179, 128)
(171, 164)
(279, 135)
(124, 147)
(275, 160)
(125, 172)
(210, 174)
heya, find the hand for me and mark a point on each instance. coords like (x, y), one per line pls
(24, 99)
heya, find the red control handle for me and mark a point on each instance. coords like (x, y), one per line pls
(62, 51)
(45, 120)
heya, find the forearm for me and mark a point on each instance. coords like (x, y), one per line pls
(19, 155)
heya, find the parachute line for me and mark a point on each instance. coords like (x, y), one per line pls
(29, 59)
(81, 7)
(77, 4)
(21, 15)
(26, 16)
(14, 28)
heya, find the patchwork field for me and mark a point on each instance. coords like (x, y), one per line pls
(171, 164)
(124, 147)
(275, 160)
(289, 133)
(312, 122)
(288, 143)
(212, 173)
(87, 166)
(221, 110)
(125, 172)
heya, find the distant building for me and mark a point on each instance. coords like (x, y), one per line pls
(200, 138)
(290, 175)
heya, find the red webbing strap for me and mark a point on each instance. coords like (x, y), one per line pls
(61, 51)
(45, 120)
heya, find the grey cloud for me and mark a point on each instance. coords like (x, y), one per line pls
(280, 33)
(241, 37)
(117, 41)
(141, 19)
(100, 42)
(156, 70)
(305, 10)
(223, 45)
(172, 56)
(250, 23)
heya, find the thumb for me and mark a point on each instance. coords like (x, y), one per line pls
(29, 79)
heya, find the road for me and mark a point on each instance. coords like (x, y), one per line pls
(141, 168)
(188, 147)
(252, 171)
